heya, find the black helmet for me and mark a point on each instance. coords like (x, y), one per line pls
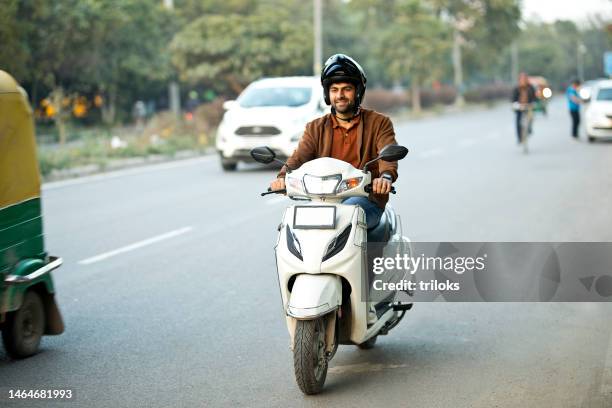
(342, 68)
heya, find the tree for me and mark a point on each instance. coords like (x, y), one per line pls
(414, 45)
(227, 52)
(482, 26)
(14, 57)
(127, 40)
(60, 47)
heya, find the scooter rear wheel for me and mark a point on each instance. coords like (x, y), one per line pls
(309, 359)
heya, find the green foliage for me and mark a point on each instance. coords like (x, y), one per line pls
(129, 49)
(13, 52)
(415, 44)
(86, 45)
(98, 152)
(227, 52)
(551, 50)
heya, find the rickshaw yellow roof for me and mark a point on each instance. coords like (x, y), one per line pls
(7, 83)
(19, 177)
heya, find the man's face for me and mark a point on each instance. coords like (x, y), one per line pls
(342, 97)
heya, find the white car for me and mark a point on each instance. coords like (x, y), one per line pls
(269, 112)
(598, 115)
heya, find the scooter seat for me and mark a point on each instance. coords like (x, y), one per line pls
(381, 232)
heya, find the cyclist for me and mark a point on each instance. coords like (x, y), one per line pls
(523, 96)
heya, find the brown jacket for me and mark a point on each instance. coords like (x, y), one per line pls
(374, 132)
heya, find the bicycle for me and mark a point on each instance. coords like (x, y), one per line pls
(525, 122)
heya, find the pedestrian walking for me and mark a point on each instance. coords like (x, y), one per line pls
(573, 102)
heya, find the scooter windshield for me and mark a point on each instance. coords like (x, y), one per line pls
(321, 185)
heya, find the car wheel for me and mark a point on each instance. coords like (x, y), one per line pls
(228, 164)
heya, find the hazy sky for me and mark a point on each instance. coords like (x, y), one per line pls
(577, 10)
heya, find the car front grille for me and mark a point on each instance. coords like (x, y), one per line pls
(257, 131)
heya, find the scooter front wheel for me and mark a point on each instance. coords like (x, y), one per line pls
(309, 359)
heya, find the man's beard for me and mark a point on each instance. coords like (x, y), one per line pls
(348, 108)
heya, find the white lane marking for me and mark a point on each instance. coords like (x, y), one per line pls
(606, 377)
(127, 172)
(363, 368)
(467, 142)
(430, 153)
(276, 200)
(135, 245)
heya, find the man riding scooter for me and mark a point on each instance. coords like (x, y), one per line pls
(349, 133)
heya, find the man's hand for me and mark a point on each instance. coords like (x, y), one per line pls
(278, 184)
(381, 186)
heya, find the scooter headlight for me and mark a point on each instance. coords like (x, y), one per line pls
(321, 185)
(349, 184)
(294, 183)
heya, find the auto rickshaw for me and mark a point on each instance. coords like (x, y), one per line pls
(27, 296)
(542, 91)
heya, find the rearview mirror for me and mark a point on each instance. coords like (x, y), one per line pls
(391, 153)
(263, 155)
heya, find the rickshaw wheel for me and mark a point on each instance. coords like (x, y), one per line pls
(24, 328)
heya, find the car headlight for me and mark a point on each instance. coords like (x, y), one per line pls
(585, 93)
(321, 185)
(349, 184)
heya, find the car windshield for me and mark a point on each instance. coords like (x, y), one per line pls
(282, 96)
(604, 94)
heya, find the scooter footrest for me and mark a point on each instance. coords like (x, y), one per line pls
(402, 306)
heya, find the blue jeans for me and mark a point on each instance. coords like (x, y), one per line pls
(372, 211)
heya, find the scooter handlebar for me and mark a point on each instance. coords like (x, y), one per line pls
(368, 189)
(270, 191)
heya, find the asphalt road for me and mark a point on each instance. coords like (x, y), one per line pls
(170, 297)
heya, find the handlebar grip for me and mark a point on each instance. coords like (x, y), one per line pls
(283, 191)
(368, 189)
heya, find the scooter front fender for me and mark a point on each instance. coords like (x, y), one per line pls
(314, 295)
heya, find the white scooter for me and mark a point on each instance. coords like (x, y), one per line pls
(321, 257)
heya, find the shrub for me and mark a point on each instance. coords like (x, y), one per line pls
(488, 93)
(384, 100)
